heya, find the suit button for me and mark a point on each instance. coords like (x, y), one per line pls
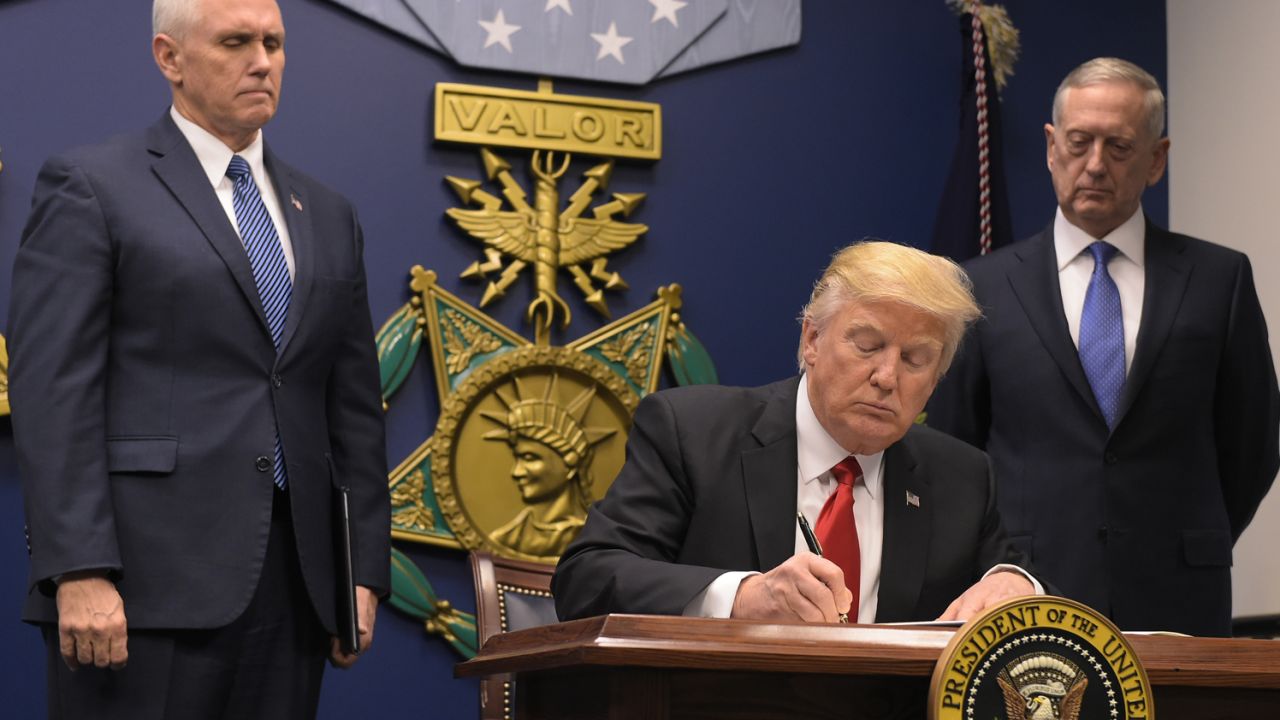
(1110, 458)
(276, 380)
(263, 463)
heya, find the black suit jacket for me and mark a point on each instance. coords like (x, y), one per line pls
(1138, 523)
(145, 386)
(709, 486)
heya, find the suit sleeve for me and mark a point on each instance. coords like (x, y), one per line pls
(994, 547)
(961, 404)
(626, 557)
(357, 434)
(59, 325)
(1247, 407)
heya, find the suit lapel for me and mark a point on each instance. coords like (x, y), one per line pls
(769, 476)
(178, 168)
(905, 551)
(293, 206)
(1167, 274)
(1035, 283)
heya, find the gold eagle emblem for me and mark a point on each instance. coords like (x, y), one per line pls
(543, 236)
(1042, 686)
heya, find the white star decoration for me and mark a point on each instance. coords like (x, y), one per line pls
(562, 4)
(611, 43)
(499, 31)
(666, 9)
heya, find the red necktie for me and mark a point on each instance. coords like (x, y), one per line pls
(837, 532)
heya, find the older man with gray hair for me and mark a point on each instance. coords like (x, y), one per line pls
(704, 518)
(193, 379)
(1121, 378)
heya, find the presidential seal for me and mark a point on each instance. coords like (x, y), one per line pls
(1040, 658)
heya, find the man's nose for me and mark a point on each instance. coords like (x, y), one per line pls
(1095, 161)
(260, 62)
(885, 374)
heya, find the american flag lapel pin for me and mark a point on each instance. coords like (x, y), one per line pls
(297, 204)
(913, 499)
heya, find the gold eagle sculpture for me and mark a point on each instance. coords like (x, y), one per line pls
(545, 237)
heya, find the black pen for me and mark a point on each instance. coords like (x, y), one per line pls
(814, 546)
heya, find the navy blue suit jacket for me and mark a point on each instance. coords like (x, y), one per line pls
(146, 388)
(1138, 523)
(709, 486)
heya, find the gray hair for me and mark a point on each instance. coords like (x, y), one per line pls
(1109, 69)
(173, 17)
(875, 271)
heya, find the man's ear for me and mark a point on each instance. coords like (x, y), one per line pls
(808, 342)
(168, 57)
(1048, 145)
(1159, 160)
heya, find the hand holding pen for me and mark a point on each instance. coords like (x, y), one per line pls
(804, 587)
(814, 547)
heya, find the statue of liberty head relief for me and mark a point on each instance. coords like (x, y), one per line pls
(551, 453)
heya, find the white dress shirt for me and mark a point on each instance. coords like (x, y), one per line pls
(215, 156)
(817, 452)
(1075, 268)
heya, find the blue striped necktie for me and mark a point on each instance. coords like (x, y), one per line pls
(266, 258)
(1102, 334)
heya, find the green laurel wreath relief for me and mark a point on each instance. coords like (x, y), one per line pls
(398, 344)
(690, 362)
(412, 594)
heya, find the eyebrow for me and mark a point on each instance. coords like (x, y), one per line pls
(246, 32)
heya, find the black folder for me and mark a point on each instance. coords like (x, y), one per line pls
(348, 623)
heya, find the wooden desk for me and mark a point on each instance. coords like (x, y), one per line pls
(628, 667)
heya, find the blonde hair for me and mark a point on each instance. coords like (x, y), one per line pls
(873, 270)
(1114, 70)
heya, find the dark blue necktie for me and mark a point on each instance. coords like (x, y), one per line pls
(266, 258)
(1102, 334)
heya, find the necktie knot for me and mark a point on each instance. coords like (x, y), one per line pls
(1102, 253)
(847, 471)
(238, 168)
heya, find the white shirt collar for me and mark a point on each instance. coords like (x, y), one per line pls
(214, 155)
(817, 452)
(1069, 241)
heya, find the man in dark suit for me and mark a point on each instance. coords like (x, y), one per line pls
(193, 374)
(1121, 377)
(702, 519)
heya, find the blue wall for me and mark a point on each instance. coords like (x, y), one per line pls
(770, 164)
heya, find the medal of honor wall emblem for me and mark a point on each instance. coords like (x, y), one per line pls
(530, 433)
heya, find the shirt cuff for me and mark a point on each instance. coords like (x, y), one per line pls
(716, 599)
(1006, 567)
(86, 573)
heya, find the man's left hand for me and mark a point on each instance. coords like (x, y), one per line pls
(987, 592)
(366, 614)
